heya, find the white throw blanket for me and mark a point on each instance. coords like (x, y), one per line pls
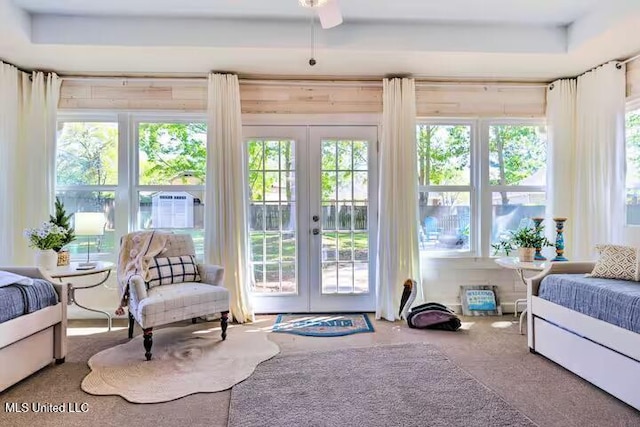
(136, 250)
(7, 278)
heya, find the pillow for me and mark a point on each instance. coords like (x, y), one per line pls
(168, 270)
(616, 262)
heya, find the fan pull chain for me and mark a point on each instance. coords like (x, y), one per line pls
(312, 60)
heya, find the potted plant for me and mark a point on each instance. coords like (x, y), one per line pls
(62, 220)
(44, 239)
(526, 240)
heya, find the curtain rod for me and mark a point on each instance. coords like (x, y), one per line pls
(299, 82)
(633, 58)
(29, 72)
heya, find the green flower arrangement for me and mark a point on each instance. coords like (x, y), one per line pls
(48, 236)
(528, 237)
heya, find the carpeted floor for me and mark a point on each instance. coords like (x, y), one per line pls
(391, 385)
(489, 349)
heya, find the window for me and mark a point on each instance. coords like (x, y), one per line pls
(633, 167)
(87, 177)
(517, 176)
(172, 161)
(446, 191)
(163, 190)
(468, 202)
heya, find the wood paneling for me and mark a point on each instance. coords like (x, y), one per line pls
(467, 100)
(453, 100)
(633, 79)
(132, 95)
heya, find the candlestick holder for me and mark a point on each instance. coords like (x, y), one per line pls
(538, 255)
(559, 240)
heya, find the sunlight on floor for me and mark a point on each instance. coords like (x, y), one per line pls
(467, 325)
(74, 331)
(501, 325)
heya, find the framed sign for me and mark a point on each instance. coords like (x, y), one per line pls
(480, 300)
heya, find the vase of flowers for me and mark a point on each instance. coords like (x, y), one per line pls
(525, 240)
(44, 239)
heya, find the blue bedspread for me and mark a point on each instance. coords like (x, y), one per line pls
(614, 301)
(16, 300)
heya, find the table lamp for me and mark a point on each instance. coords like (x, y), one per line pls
(88, 224)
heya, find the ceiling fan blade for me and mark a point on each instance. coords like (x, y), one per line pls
(330, 14)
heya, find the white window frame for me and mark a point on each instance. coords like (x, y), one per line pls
(486, 189)
(480, 190)
(633, 105)
(128, 187)
(135, 121)
(471, 188)
(120, 220)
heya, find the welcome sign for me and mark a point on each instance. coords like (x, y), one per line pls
(478, 300)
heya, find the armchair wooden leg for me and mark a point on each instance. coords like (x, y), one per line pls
(131, 320)
(148, 342)
(223, 324)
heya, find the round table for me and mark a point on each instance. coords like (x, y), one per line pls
(513, 263)
(73, 270)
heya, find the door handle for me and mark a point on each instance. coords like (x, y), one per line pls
(315, 231)
(315, 218)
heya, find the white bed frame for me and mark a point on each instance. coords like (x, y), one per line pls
(29, 343)
(603, 354)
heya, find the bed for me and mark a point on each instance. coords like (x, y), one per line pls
(591, 329)
(33, 325)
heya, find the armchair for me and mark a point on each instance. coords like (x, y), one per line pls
(177, 290)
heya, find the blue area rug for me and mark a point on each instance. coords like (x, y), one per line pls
(322, 325)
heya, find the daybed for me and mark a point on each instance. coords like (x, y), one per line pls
(34, 340)
(603, 353)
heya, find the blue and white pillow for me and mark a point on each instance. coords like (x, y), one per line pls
(168, 270)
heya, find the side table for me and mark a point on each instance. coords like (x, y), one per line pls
(513, 263)
(71, 271)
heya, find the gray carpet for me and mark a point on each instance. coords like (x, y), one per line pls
(395, 385)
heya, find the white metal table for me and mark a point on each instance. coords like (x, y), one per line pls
(513, 263)
(71, 271)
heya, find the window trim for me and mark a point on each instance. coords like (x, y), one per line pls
(481, 220)
(631, 106)
(127, 188)
(471, 188)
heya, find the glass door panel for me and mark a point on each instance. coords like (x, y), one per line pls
(343, 197)
(272, 154)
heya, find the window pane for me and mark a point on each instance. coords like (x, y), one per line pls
(272, 215)
(91, 201)
(444, 154)
(172, 153)
(444, 221)
(87, 153)
(517, 155)
(178, 211)
(514, 210)
(633, 167)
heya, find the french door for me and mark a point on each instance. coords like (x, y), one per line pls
(312, 217)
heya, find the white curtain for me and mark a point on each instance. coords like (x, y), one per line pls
(398, 251)
(561, 123)
(28, 107)
(226, 193)
(598, 213)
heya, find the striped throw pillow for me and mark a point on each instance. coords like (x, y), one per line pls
(176, 269)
